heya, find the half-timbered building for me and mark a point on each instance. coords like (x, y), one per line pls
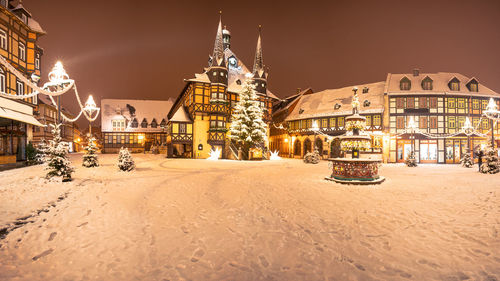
(19, 34)
(139, 125)
(201, 115)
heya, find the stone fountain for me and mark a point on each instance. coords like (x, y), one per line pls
(355, 170)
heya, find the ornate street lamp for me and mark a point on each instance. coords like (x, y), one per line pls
(90, 108)
(493, 114)
(57, 77)
(413, 127)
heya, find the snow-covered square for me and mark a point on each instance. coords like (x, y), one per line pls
(184, 219)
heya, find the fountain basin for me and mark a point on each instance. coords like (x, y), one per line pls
(355, 171)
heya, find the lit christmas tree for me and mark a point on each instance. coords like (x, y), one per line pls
(90, 156)
(248, 128)
(411, 161)
(58, 164)
(467, 160)
(490, 161)
(41, 152)
(125, 161)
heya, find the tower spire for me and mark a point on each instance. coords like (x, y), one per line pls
(218, 54)
(258, 64)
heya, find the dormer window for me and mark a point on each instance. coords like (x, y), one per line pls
(238, 82)
(366, 103)
(3, 3)
(163, 123)
(473, 85)
(427, 84)
(454, 84)
(405, 84)
(144, 123)
(301, 111)
(134, 124)
(337, 106)
(154, 124)
(365, 90)
(24, 18)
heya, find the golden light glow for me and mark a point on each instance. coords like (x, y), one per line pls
(286, 140)
(58, 74)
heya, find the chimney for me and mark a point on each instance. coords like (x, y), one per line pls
(416, 72)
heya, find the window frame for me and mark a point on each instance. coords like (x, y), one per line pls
(22, 51)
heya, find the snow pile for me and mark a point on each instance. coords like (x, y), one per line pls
(90, 156)
(58, 165)
(125, 161)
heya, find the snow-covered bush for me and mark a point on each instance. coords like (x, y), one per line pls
(58, 164)
(490, 161)
(90, 156)
(125, 161)
(411, 161)
(467, 160)
(312, 157)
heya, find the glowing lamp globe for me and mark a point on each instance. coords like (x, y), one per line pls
(58, 74)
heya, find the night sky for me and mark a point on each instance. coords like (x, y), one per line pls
(144, 49)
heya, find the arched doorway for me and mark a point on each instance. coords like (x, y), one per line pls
(296, 148)
(307, 146)
(335, 148)
(319, 145)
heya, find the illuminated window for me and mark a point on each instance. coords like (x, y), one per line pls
(332, 122)
(341, 121)
(400, 122)
(22, 52)
(484, 104)
(182, 128)
(451, 122)
(454, 84)
(461, 103)
(376, 120)
(451, 103)
(118, 125)
(3, 40)
(368, 121)
(475, 104)
(2, 81)
(37, 63)
(324, 123)
(460, 122)
(485, 124)
(473, 85)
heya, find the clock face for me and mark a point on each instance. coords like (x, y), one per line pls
(233, 61)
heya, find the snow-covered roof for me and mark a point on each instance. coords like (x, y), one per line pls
(181, 115)
(125, 109)
(322, 104)
(440, 82)
(35, 26)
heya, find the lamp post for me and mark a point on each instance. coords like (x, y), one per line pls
(468, 130)
(412, 126)
(493, 114)
(90, 108)
(58, 76)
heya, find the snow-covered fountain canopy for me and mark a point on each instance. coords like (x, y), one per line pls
(355, 170)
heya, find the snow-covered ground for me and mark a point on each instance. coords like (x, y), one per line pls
(175, 219)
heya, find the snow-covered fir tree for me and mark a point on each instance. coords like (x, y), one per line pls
(41, 152)
(58, 164)
(490, 165)
(467, 160)
(125, 161)
(411, 161)
(248, 128)
(90, 156)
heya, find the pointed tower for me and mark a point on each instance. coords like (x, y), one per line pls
(217, 70)
(259, 73)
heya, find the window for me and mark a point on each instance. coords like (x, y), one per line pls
(368, 121)
(485, 123)
(118, 125)
(22, 52)
(451, 122)
(460, 122)
(3, 40)
(134, 124)
(20, 88)
(376, 120)
(427, 83)
(410, 102)
(405, 84)
(153, 123)
(332, 122)
(182, 128)
(484, 104)
(422, 122)
(37, 63)
(473, 85)
(433, 122)
(365, 90)
(400, 103)
(400, 122)
(341, 121)
(461, 103)
(324, 123)
(2, 81)
(433, 102)
(475, 104)
(144, 123)
(451, 103)
(454, 84)
(422, 102)
(163, 123)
